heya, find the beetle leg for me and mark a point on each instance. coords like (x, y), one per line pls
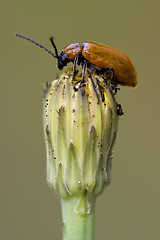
(114, 88)
(84, 67)
(109, 74)
(94, 87)
(74, 67)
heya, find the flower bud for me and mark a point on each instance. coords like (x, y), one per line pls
(80, 126)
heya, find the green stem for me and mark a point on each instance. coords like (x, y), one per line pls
(78, 225)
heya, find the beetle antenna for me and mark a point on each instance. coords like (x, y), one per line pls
(55, 48)
(39, 45)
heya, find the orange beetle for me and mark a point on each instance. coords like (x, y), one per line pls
(101, 58)
(98, 58)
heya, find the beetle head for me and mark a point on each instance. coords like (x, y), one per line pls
(63, 60)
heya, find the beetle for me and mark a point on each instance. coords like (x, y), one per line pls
(98, 58)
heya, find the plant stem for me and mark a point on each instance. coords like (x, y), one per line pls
(78, 225)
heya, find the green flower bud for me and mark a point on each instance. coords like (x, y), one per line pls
(80, 126)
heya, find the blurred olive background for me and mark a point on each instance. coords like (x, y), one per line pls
(129, 207)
